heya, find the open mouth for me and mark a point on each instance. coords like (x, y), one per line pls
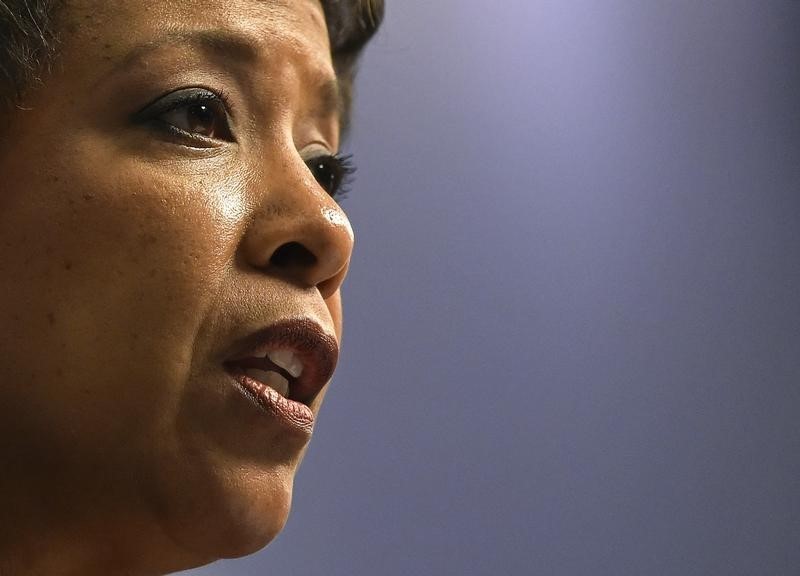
(278, 369)
(284, 367)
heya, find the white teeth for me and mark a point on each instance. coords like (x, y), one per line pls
(271, 379)
(287, 360)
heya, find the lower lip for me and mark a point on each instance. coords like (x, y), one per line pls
(293, 415)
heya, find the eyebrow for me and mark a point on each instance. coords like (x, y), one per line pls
(237, 46)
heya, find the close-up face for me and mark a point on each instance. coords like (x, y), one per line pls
(168, 218)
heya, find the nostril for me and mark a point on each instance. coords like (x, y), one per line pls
(293, 255)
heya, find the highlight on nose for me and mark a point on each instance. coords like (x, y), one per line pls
(324, 268)
(300, 234)
(306, 251)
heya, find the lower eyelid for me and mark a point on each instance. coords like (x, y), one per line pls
(175, 136)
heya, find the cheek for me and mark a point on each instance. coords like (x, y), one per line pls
(150, 247)
(105, 279)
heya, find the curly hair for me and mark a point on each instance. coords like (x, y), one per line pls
(29, 42)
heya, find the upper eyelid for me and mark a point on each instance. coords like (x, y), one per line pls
(181, 96)
(317, 149)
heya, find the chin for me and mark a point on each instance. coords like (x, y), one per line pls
(250, 530)
(247, 540)
(232, 516)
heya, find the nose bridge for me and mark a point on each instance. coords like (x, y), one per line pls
(298, 232)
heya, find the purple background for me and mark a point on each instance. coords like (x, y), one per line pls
(573, 316)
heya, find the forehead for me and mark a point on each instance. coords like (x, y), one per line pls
(162, 12)
(113, 31)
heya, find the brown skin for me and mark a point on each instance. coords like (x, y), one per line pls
(132, 259)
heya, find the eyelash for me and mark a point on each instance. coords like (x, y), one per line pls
(333, 172)
(342, 169)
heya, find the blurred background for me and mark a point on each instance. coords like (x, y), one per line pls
(573, 316)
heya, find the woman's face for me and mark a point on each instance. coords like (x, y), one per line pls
(161, 208)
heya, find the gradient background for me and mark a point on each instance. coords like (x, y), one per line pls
(573, 316)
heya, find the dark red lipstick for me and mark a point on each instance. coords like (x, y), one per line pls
(299, 352)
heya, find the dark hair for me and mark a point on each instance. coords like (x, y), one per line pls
(27, 45)
(28, 42)
(351, 23)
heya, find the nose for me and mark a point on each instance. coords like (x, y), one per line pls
(299, 233)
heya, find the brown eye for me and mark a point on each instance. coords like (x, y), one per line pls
(190, 113)
(208, 119)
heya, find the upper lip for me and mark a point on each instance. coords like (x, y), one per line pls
(316, 349)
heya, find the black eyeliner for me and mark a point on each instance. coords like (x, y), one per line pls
(173, 101)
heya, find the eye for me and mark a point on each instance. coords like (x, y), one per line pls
(207, 119)
(334, 173)
(194, 113)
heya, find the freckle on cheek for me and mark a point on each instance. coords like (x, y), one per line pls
(51, 318)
